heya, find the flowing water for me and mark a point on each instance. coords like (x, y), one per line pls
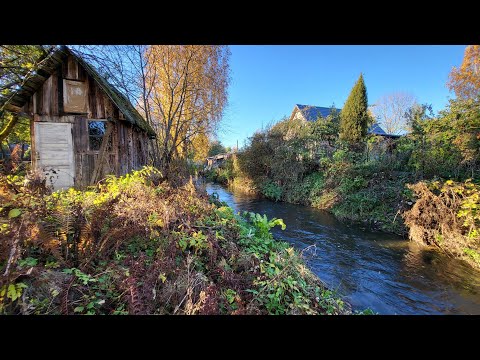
(384, 272)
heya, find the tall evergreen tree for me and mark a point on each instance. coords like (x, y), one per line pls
(354, 118)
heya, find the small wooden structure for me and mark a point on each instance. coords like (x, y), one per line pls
(216, 160)
(82, 128)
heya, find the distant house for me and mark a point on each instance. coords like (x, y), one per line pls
(312, 113)
(82, 127)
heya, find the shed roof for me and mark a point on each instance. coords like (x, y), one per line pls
(49, 65)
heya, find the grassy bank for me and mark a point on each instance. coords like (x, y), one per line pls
(364, 193)
(378, 182)
(136, 245)
(440, 213)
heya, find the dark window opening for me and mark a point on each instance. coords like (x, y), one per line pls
(96, 132)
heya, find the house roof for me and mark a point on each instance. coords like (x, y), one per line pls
(312, 113)
(48, 66)
(376, 130)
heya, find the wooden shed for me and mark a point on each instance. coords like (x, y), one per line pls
(82, 128)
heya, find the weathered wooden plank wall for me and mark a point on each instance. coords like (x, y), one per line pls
(129, 146)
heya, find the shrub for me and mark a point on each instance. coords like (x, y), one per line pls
(272, 191)
(446, 216)
(137, 245)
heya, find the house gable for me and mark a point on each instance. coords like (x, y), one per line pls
(65, 78)
(77, 115)
(312, 113)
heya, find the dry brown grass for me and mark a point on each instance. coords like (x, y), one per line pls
(433, 220)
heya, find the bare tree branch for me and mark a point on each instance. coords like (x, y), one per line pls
(390, 111)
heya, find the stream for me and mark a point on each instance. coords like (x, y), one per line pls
(375, 270)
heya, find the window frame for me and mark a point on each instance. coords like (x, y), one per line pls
(97, 136)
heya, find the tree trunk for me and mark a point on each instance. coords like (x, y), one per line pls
(8, 128)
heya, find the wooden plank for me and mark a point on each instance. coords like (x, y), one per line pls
(54, 119)
(47, 88)
(74, 97)
(65, 69)
(29, 106)
(130, 149)
(82, 75)
(108, 107)
(92, 104)
(60, 91)
(54, 95)
(78, 169)
(34, 101)
(117, 147)
(80, 134)
(43, 73)
(142, 149)
(33, 138)
(72, 69)
(28, 88)
(39, 95)
(100, 104)
(122, 148)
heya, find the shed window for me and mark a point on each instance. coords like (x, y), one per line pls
(96, 132)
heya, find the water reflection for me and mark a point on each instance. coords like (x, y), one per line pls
(371, 269)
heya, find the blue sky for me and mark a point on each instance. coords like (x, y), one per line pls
(268, 80)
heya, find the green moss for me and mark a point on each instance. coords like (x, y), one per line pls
(475, 255)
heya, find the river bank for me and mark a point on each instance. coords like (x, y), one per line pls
(137, 245)
(372, 269)
(373, 200)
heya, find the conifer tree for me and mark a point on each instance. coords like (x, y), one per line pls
(354, 118)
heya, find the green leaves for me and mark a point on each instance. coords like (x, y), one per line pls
(230, 295)
(354, 116)
(84, 278)
(13, 291)
(28, 262)
(274, 222)
(197, 241)
(14, 213)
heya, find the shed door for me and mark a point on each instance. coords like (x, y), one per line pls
(54, 153)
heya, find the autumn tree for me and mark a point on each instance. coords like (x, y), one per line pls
(188, 95)
(354, 117)
(465, 80)
(17, 63)
(390, 111)
(216, 148)
(200, 146)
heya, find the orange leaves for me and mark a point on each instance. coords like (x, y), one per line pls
(465, 80)
(187, 95)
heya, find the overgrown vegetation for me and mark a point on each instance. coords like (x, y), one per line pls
(447, 215)
(423, 184)
(136, 245)
(308, 164)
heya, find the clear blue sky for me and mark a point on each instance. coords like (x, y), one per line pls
(268, 80)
